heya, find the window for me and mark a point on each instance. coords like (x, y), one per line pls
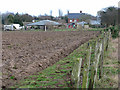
(70, 20)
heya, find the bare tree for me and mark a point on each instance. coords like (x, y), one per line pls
(60, 13)
(109, 16)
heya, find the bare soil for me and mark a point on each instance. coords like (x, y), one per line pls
(26, 53)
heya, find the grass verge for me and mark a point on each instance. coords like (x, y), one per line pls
(110, 68)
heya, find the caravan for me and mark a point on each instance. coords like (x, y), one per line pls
(13, 27)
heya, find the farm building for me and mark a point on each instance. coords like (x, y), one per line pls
(45, 17)
(45, 24)
(95, 22)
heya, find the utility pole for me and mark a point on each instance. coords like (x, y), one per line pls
(50, 12)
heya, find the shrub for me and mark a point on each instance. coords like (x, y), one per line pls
(114, 31)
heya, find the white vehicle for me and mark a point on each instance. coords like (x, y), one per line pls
(13, 27)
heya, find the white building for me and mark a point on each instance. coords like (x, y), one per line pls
(95, 22)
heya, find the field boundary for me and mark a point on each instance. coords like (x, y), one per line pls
(90, 67)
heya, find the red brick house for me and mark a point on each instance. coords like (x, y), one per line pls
(73, 18)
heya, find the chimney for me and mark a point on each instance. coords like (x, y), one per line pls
(80, 11)
(68, 12)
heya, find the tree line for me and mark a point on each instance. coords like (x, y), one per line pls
(108, 16)
(8, 18)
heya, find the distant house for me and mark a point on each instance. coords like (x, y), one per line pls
(95, 22)
(74, 18)
(45, 17)
(82, 23)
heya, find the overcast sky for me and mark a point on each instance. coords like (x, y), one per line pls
(37, 7)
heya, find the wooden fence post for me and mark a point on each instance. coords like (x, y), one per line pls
(101, 60)
(97, 61)
(107, 37)
(84, 80)
(76, 72)
(105, 40)
(102, 57)
(79, 71)
(89, 60)
(109, 34)
(92, 72)
(86, 67)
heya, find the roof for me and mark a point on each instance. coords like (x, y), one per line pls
(75, 15)
(44, 22)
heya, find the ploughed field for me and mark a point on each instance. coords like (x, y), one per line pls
(26, 53)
